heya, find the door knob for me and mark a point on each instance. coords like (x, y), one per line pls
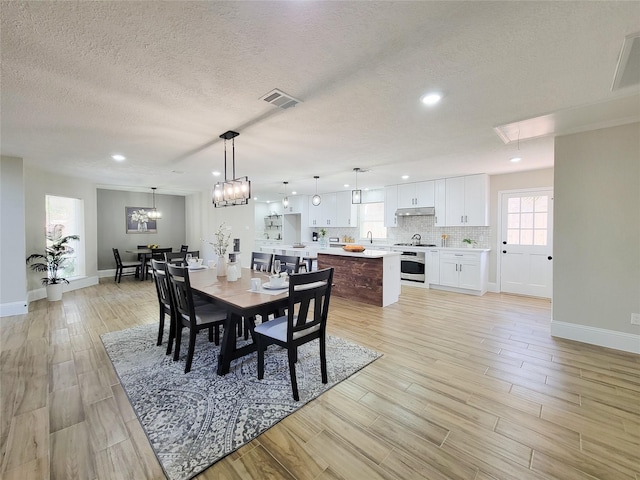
(504, 242)
(549, 257)
(504, 251)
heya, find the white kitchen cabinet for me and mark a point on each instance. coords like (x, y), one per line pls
(346, 212)
(467, 201)
(440, 200)
(329, 210)
(297, 204)
(390, 205)
(315, 214)
(433, 267)
(463, 270)
(412, 195)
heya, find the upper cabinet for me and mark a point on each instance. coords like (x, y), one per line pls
(390, 205)
(335, 210)
(297, 204)
(419, 194)
(467, 201)
(440, 219)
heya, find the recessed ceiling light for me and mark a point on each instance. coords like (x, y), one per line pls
(118, 158)
(216, 173)
(255, 198)
(268, 201)
(294, 193)
(405, 177)
(346, 185)
(431, 98)
(515, 159)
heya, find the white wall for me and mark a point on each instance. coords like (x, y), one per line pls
(13, 274)
(596, 278)
(39, 183)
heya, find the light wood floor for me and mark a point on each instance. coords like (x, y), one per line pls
(468, 388)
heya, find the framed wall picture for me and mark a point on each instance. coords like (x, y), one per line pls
(138, 220)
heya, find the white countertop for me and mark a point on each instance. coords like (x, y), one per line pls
(366, 254)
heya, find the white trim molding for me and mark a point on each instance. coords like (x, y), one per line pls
(627, 342)
(74, 284)
(13, 308)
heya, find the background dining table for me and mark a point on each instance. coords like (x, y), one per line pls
(241, 302)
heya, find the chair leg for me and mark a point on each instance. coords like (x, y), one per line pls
(323, 358)
(217, 338)
(211, 333)
(192, 347)
(292, 372)
(176, 353)
(161, 327)
(260, 349)
(172, 334)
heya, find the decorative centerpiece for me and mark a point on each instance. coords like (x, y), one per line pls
(323, 240)
(54, 259)
(220, 245)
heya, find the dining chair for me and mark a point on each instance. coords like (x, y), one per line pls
(207, 316)
(121, 266)
(184, 248)
(164, 301)
(156, 254)
(174, 257)
(309, 295)
(290, 263)
(261, 261)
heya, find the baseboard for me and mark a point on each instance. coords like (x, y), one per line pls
(74, 284)
(492, 287)
(627, 342)
(107, 273)
(13, 308)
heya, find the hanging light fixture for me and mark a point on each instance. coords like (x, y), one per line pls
(154, 214)
(285, 200)
(315, 200)
(356, 195)
(234, 191)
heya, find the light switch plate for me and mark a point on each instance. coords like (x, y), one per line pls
(635, 319)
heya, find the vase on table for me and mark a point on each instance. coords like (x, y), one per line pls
(221, 267)
(324, 242)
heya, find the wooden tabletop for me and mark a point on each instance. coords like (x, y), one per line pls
(235, 295)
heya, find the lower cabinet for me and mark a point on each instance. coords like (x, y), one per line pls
(464, 270)
(433, 267)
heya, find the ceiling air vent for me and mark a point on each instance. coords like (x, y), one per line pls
(628, 68)
(280, 99)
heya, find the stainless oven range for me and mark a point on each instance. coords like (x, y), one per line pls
(412, 264)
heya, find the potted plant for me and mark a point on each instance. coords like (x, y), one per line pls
(324, 241)
(53, 259)
(470, 242)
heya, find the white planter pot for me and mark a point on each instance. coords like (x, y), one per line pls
(54, 292)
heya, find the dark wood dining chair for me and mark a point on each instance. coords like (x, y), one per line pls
(156, 254)
(261, 262)
(187, 315)
(133, 268)
(164, 301)
(174, 257)
(306, 320)
(290, 263)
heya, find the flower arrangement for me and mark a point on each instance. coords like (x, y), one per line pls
(221, 242)
(469, 241)
(323, 232)
(140, 216)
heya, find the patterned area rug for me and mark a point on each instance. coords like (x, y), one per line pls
(193, 420)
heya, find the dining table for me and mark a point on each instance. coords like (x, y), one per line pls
(145, 254)
(241, 302)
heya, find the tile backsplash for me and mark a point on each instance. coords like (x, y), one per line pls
(424, 225)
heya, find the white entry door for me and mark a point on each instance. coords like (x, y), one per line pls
(526, 243)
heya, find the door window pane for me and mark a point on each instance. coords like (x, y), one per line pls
(526, 237)
(540, 238)
(526, 204)
(524, 227)
(513, 220)
(513, 205)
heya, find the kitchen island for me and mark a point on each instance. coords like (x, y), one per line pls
(372, 276)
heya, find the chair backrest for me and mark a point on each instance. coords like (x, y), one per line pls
(181, 294)
(306, 289)
(194, 253)
(162, 283)
(261, 261)
(116, 255)
(290, 263)
(174, 257)
(184, 248)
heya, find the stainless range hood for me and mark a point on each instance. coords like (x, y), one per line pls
(407, 212)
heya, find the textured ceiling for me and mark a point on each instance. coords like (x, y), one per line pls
(160, 81)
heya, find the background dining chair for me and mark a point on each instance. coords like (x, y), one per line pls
(175, 257)
(187, 315)
(184, 248)
(121, 266)
(156, 254)
(261, 262)
(306, 291)
(289, 263)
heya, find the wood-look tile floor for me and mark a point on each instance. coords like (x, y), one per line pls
(468, 388)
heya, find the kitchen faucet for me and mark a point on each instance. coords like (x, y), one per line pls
(417, 237)
(370, 237)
